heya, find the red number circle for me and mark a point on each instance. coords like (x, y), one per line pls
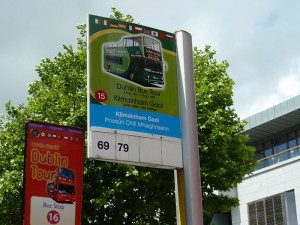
(101, 96)
(53, 217)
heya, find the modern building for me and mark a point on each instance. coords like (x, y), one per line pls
(271, 194)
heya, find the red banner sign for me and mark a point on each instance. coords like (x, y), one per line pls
(53, 174)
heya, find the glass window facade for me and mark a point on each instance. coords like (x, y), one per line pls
(278, 149)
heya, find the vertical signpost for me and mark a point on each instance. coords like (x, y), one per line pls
(53, 174)
(188, 178)
(133, 94)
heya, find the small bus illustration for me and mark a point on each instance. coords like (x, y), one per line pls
(137, 58)
(62, 187)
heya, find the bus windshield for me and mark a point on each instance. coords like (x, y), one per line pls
(66, 189)
(65, 173)
(152, 44)
(152, 49)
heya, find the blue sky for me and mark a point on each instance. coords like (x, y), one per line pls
(259, 39)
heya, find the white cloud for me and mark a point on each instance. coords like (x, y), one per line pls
(282, 89)
(262, 103)
(289, 86)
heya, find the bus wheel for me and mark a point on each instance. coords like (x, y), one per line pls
(109, 69)
(131, 76)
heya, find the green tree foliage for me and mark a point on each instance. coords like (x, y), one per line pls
(224, 157)
(116, 14)
(116, 193)
(11, 159)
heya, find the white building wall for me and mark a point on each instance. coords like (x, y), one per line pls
(272, 180)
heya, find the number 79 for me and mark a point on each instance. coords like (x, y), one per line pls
(124, 147)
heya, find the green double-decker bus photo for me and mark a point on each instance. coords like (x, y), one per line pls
(137, 58)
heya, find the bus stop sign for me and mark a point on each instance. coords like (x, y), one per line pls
(133, 106)
(53, 174)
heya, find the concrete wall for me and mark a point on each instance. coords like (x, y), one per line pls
(272, 180)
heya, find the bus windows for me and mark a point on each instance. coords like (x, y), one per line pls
(114, 59)
(122, 43)
(132, 42)
(137, 41)
(129, 42)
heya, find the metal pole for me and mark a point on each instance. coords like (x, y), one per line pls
(188, 114)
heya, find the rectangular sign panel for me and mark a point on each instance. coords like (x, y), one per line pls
(132, 83)
(132, 78)
(53, 174)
